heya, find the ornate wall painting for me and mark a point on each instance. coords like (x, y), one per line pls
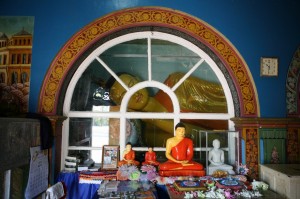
(15, 63)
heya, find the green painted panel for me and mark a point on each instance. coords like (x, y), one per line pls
(274, 151)
(272, 133)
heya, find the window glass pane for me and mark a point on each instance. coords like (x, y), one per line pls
(90, 132)
(96, 132)
(201, 92)
(168, 57)
(196, 95)
(204, 72)
(198, 156)
(157, 131)
(207, 124)
(90, 89)
(133, 132)
(130, 57)
(194, 127)
(140, 101)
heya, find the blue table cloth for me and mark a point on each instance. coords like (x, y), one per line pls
(76, 190)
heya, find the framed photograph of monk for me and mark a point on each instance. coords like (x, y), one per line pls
(110, 157)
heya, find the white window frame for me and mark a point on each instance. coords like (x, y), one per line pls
(123, 114)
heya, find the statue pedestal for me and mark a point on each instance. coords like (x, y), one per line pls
(182, 172)
(224, 167)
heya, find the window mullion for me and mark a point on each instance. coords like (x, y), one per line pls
(112, 73)
(149, 60)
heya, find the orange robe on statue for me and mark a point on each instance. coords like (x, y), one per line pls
(150, 158)
(129, 159)
(182, 151)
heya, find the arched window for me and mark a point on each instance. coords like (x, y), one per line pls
(135, 87)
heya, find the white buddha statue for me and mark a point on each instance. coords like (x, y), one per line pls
(216, 159)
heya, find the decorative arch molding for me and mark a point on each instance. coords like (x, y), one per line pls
(237, 69)
(292, 86)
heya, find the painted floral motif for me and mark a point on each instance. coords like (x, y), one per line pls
(291, 84)
(252, 152)
(292, 145)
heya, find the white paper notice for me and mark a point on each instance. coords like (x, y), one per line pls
(38, 173)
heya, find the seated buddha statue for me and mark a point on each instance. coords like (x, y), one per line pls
(216, 159)
(150, 157)
(128, 156)
(179, 152)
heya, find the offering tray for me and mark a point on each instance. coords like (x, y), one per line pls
(230, 183)
(187, 185)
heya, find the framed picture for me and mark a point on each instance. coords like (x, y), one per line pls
(110, 157)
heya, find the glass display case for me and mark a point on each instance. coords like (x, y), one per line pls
(229, 143)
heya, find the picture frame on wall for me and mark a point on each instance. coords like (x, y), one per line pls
(110, 157)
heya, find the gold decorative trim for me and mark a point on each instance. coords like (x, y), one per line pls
(147, 16)
(263, 122)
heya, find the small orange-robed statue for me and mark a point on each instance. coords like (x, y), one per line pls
(179, 152)
(128, 156)
(150, 157)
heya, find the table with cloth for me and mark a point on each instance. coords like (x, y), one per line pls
(84, 184)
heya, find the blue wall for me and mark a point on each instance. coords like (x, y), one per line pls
(256, 28)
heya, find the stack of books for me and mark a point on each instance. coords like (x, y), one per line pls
(70, 164)
(88, 165)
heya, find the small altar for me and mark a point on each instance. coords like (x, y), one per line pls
(95, 185)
